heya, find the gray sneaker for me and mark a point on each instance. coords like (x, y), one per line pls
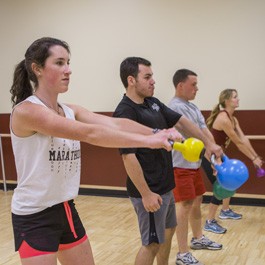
(229, 214)
(187, 259)
(205, 243)
(213, 226)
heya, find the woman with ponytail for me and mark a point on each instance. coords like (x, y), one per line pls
(225, 128)
(46, 137)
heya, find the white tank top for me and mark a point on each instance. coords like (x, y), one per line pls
(48, 169)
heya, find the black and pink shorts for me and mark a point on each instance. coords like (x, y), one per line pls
(56, 228)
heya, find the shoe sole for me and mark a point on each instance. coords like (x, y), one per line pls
(228, 217)
(209, 248)
(181, 263)
(216, 232)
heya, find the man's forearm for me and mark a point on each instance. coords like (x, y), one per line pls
(192, 130)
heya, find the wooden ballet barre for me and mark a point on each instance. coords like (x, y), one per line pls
(5, 135)
(252, 137)
(256, 137)
(2, 160)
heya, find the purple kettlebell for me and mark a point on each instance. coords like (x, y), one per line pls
(260, 172)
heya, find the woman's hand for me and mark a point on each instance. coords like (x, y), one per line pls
(257, 162)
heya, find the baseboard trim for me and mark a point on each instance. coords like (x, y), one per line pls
(240, 201)
(103, 192)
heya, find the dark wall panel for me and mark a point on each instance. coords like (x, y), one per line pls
(103, 166)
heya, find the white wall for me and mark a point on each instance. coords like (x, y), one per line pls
(223, 41)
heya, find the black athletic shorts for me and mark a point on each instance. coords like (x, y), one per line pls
(207, 167)
(46, 230)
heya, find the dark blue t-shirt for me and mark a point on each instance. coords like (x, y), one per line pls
(156, 163)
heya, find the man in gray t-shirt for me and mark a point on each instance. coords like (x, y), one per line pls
(192, 112)
(189, 183)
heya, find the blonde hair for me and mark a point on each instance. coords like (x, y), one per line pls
(224, 95)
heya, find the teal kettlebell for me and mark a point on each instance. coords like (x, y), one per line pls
(220, 193)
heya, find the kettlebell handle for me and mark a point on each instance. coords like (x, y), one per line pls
(213, 161)
(172, 142)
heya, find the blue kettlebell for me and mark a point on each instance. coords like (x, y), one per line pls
(231, 174)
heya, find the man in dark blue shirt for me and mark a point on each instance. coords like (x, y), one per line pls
(150, 178)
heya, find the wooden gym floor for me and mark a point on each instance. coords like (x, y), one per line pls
(113, 232)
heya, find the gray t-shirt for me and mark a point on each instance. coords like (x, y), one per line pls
(190, 111)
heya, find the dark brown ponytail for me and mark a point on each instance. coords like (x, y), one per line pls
(21, 87)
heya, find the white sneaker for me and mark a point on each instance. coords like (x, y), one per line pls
(187, 259)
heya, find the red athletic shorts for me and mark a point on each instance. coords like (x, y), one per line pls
(189, 184)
